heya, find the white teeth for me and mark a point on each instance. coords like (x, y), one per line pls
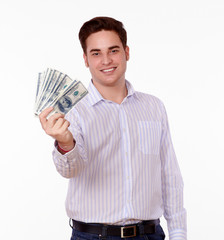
(108, 70)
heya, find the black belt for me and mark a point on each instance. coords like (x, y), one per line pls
(132, 230)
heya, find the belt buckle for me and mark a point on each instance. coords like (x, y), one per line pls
(129, 231)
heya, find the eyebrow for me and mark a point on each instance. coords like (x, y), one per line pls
(98, 50)
(115, 46)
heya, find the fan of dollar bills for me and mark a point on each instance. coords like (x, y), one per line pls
(58, 90)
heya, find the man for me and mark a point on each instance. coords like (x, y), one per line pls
(115, 148)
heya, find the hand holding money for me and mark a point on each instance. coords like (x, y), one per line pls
(57, 127)
(56, 95)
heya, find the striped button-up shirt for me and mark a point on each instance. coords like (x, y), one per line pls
(123, 168)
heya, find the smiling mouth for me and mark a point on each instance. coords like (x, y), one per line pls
(108, 70)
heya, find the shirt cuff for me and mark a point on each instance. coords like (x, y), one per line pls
(67, 156)
(178, 234)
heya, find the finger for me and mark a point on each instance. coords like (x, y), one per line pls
(65, 126)
(54, 118)
(43, 116)
(60, 130)
(58, 124)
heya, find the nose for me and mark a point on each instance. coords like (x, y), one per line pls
(106, 59)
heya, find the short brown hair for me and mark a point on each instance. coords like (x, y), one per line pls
(102, 23)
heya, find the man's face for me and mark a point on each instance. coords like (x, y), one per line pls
(106, 58)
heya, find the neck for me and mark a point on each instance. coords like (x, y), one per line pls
(115, 93)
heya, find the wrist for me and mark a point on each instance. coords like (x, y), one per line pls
(64, 148)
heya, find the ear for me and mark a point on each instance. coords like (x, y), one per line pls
(127, 53)
(86, 60)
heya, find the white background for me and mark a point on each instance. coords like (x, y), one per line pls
(177, 54)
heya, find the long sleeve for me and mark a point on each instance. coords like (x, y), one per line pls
(72, 163)
(172, 186)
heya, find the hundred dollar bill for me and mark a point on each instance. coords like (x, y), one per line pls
(67, 101)
(38, 85)
(39, 88)
(43, 88)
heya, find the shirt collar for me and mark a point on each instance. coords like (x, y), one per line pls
(94, 96)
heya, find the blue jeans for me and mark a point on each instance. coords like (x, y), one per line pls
(158, 235)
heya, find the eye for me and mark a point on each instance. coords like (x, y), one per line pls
(95, 54)
(114, 50)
